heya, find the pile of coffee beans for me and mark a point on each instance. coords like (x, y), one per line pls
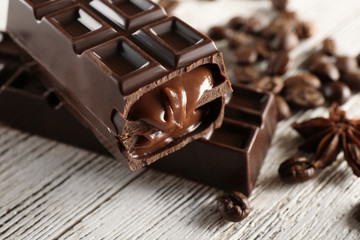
(253, 44)
(339, 75)
(328, 76)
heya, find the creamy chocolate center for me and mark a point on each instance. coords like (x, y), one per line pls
(171, 110)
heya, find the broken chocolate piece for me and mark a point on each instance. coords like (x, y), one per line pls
(105, 56)
(233, 154)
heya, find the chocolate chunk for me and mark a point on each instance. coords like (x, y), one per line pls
(144, 53)
(245, 54)
(273, 84)
(220, 32)
(352, 79)
(234, 206)
(296, 169)
(329, 47)
(250, 120)
(346, 64)
(337, 92)
(326, 71)
(304, 97)
(246, 74)
(279, 63)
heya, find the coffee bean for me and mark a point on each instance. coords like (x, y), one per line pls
(262, 48)
(279, 4)
(329, 47)
(279, 63)
(316, 58)
(253, 25)
(246, 74)
(346, 64)
(326, 71)
(296, 169)
(272, 84)
(240, 39)
(220, 32)
(305, 79)
(285, 41)
(237, 23)
(352, 79)
(305, 30)
(233, 206)
(337, 92)
(285, 21)
(358, 59)
(283, 108)
(304, 97)
(245, 55)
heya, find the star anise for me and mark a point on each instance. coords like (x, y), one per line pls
(327, 137)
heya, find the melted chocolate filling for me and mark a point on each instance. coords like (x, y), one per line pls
(171, 110)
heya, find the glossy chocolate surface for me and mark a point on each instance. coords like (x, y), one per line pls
(229, 159)
(105, 55)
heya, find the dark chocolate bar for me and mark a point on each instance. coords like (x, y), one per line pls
(230, 158)
(146, 84)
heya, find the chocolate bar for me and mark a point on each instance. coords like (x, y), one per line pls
(230, 158)
(146, 84)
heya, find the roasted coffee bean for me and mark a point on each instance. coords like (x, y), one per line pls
(220, 32)
(245, 54)
(304, 97)
(253, 25)
(284, 111)
(326, 71)
(316, 58)
(272, 84)
(233, 206)
(240, 39)
(279, 63)
(279, 4)
(358, 59)
(262, 48)
(305, 30)
(337, 92)
(352, 79)
(329, 47)
(306, 79)
(246, 74)
(284, 21)
(285, 41)
(346, 64)
(237, 23)
(296, 169)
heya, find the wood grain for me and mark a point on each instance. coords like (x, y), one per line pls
(50, 190)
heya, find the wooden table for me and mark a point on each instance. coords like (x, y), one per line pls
(49, 190)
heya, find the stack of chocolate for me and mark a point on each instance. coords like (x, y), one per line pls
(123, 77)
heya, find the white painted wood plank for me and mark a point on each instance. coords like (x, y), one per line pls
(47, 187)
